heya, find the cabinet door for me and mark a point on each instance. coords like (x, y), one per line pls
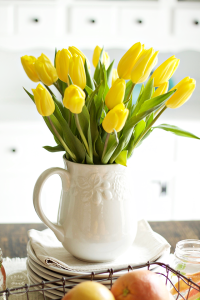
(6, 19)
(39, 19)
(143, 21)
(187, 22)
(22, 160)
(92, 20)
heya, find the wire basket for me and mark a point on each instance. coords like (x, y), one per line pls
(171, 277)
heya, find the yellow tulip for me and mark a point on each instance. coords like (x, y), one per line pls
(96, 54)
(45, 70)
(162, 89)
(165, 71)
(144, 66)
(116, 93)
(76, 51)
(28, 63)
(74, 99)
(77, 71)
(115, 118)
(43, 101)
(62, 64)
(184, 91)
(114, 76)
(128, 61)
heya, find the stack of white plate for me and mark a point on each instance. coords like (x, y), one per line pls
(38, 272)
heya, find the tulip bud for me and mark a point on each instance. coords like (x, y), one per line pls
(184, 91)
(162, 89)
(76, 51)
(74, 99)
(128, 61)
(165, 71)
(115, 118)
(62, 64)
(114, 75)
(143, 66)
(45, 70)
(28, 63)
(43, 101)
(96, 55)
(116, 93)
(77, 71)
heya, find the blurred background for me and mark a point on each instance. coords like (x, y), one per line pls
(164, 170)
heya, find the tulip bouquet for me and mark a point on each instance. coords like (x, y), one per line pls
(95, 121)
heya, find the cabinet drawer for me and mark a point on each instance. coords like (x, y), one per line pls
(143, 21)
(6, 19)
(36, 19)
(96, 20)
(187, 21)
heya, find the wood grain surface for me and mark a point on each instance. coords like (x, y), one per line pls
(13, 237)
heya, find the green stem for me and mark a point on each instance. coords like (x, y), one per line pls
(159, 109)
(50, 91)
(105, 145)
(81, 133)
(61, 140)
(129, 94)
(58, 88)
(150, 125)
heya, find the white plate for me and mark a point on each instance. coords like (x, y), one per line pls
(48, 275)
(57, 270)
(46, 293)
(34, 277)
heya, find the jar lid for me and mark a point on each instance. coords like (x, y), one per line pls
(188, 251)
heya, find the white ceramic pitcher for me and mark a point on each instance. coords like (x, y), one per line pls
(96, 217)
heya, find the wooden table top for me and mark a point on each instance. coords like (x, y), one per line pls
(13, 237)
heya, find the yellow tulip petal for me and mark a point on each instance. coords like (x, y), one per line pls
(162, 89)
(43, 101)
(28, 63)
(74, 99)
(116, 94)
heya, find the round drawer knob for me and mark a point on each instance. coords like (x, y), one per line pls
(92, 21)
(36, 20)
(14, 150)
(139, 21)
(196, 22)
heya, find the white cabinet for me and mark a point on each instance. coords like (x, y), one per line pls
(6, 19)
(36, 19)
(19, 170)
(187, 22)
(145, 21)
(92, 20)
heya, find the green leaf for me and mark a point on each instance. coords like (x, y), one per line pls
(55, 57)
(156, 102)
(57, 148)
(130, 146)
(92, 95)
(89, 80)
(88, 90)
(72, 141)
(93, 124)
(144, 95)
(112, 144)
(97, 69)
(109, 73)
(70, 80)
(30, 95)
(128, 88)
(122, 158)
(177, 131)
(139, 128)
(149, 119)
(99, 145)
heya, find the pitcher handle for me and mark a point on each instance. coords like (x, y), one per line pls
(65, 177)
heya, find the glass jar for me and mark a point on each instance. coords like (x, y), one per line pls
(187, 257)
(2, 277)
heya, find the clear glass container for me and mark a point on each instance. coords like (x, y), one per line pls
(2, 277)
(187, 257)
